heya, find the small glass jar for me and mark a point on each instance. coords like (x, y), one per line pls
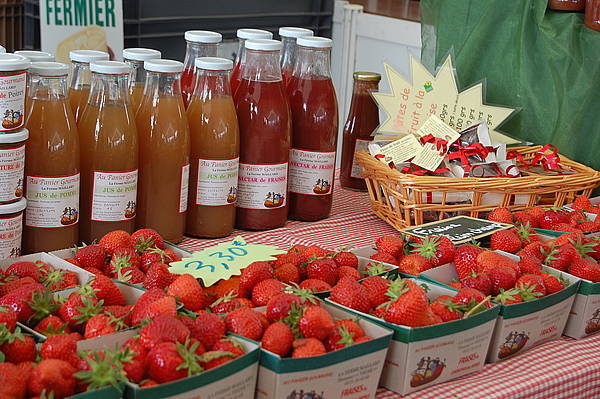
(12, 165)
(11, 228)
(592, 14)
(13, 88)
(36, 56)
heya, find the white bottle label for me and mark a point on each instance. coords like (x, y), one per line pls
(12, 167)
(361, 145)
(12, 101)
(11, 230)
(52, 202)
(217, 181)
(185, 184)
(311, 172)
(262, 186)
(114, 196)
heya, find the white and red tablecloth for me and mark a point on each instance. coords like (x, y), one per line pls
(562, 369)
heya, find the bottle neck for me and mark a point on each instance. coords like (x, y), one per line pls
(361, 96)
(288, 52)
(312, 63)
(162, 84)
(262, 66)
(48, 87)
(81, 75)
(194, 50)
(240, 57)
(137, 76)
(109, 89)
(212, 83)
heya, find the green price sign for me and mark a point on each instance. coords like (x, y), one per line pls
(224, 260)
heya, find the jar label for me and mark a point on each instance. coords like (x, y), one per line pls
(52, 202)
(114, 196)
(262, 186)
(361, 145)
(185, 183)
(12, 101)
(12, 164)
(311, 172)
(217, 181)
(11, 230)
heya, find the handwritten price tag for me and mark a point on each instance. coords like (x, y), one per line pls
(224, 260)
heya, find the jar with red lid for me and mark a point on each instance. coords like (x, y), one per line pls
(12, 165)
(11, 228)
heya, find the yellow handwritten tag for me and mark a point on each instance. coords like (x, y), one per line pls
(224, 260)
(401, 150)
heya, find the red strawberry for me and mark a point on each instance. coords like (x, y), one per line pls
(134, 364)
(470, 297)
(346, 333)
(479, 281)
(155, 255)
(287, 273)
(91, 256)
(158, 276)
(18, 348)
(19, 299)
(446, 309)
(169, 361)
(63, 347)
(278, 338)
(140, 309)
(566, 227)
(534, 248)
(307, 347)
(350, 293)
(376, 287)
(488, 260)
(245, 322)
(552, 283)
(8, 317)
(587, 269)
(163, 328)
(105, 289)
(229, 303)
(292, 257)
(227, 344)
(145, 239)
(392, 245)
(384, 258)
(414, 264)
(531, 285)
(576, 218)
(349, 272)
(209, 328)
(280, 305)
(52, 376)
(465, 258)
(115, 240)
(78, 309)
(188, 291)
(524, 218)
(505, 240)
(316, 322)
(560, 257)
(347, 259)
(552, 217)
(409, 305)
(589, 226)
(537, 212)
(323, 269)
(455, 284)
(571, 238)
(529, 264)
(213, 359)
(438, 250)
(265, 290)
(314, 251)
(502, 215)
(509, 297)
(13, 383)
(59, 279)
(502, 278)
(315, 285)
(581, 203)
(119, 312)
(24, 269)
(52, 325)
(254, 274)
(11, 285)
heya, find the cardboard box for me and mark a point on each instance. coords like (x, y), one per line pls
(584, 318)
(524, 325)
(52, 260)
(351, 372)
(421, 357)
(366, 252)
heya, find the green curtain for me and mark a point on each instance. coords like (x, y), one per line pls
(544, 62)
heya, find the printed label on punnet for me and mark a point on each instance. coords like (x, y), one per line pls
(311, 172)
(114, 196)
(52, 202)
(262, 186)
(217, 181)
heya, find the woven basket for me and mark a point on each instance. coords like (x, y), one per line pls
(405, 200)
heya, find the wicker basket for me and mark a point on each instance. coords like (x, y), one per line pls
(405, 200)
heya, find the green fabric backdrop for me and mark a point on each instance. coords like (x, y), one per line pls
(547, 63)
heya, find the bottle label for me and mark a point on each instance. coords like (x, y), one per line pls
(262, 186)
(12, 101)
(12, 164)
(361, 145)
(52, 202)
(185, 183)
(114, 196)
(217, 181)
(10, 236)
(311, 172)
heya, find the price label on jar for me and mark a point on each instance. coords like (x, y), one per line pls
(52, 202)
(311, 172)
(10, 236)
(114, 196)
(262, 186)
(12, 101)
(224, 260)
(12, 166)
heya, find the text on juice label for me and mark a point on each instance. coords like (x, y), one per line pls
(12, 101)
(361, 145)
(114, 196)
(10, 236)
(185, 184)
(262, 186)
(217, 182)
(12, 167)
(311, 172)
(52, 202)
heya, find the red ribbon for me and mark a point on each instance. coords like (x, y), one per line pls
(440, 144)
(413, 169)
(548, 161)
(511, 171)
(463, 153)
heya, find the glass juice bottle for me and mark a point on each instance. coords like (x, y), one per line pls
(164, 156)
(135, 58)
(240, 58)
(109, 154)
(199, 43)
(313, 105)
(79, 88)
(215, 151)
(363, 119)
(289, 35)
(33, 56)
(52, 163)
(265, 132)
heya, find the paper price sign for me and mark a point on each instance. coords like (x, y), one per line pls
(224, 260)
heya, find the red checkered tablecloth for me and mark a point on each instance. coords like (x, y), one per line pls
(559, 369)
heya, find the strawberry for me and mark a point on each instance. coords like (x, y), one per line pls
(384, 258)
(188, 291)
(209, 328)
(163, 328)
(213, 359)
(345, 258)
(280, 305)
(115, 240)
(94, 271)
(531, 286)
(470, 297)
(59, 279)
(307, 347)
(8, 318)
(350, 293)
(123, 259)
(265, 290)
(534, 248)
(314, 251)
(63, 347)
(488, 260)
(24, 269)
(505, 240)
(154, 255)
(134, 361)
(509, 297)
(561, 256)
(230, 286)
(323, 269)
(589, 226)
(52, 325)
(18, 348)
(91, 256)
(479, 281)
(502, 277)
(227, 344)
(536, 212)
(229, 303)
(502, 215)
(552, 217)
(392, 245)
(581, 203)
(79, 308)
(158, 276)
(529, 264)
(552, 283)
(102, 324)
(438, 250)
(587, 269)
(446, 309)
(19, 301)
(316, 322)
(287, 273)
(73, 261)
(349, 272)
(106, 290)
(594, 209)
(315, 285)
(376, 287)
(524, 218)
(346, 333)
(526, 234)
(455, 284)
(571, 238)
(577, 217)
(278, 338)
(52, 377)
(408, 306)
(566, 227)
(292, 257)
(245, 322)
(254, 274)
(414, 264)
(168, 361)
(15, 283)
(465, 258)
(13, 384)
(140, 309)
(119, 312)
(145, 239)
